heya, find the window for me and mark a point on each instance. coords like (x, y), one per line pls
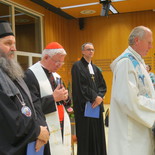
(5, 12)
(27, 27)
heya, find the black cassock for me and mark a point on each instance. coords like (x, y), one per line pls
(42, 105)
(16, 129)
(86, 87)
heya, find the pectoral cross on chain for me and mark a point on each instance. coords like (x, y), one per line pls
(92, 76)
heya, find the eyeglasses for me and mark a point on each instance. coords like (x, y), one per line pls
(90, 49)
(58, 62)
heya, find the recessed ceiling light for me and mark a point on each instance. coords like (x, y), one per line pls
(87, 12)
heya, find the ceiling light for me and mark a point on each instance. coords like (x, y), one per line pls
(106, 7)
(113, 10)
(81, 5)
(117, 0)
(87, 12)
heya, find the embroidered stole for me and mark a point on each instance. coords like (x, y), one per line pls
(57, 146)
(141, 75)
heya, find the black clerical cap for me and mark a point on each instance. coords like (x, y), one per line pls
(5, 29)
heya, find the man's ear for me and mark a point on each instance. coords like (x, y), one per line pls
(46, 57)
(136, 40)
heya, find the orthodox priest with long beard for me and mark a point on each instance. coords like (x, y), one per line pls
(19, 124)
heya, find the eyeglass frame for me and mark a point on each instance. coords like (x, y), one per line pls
(58, 62)
(90, 49)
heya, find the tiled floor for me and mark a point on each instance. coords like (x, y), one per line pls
(106, 106)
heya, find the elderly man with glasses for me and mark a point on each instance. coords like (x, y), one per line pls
(46, 85)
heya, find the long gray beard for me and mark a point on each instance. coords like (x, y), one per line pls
(11, 67)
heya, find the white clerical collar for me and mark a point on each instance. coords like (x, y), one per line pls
(91, 71)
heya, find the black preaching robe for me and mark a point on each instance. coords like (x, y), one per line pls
(89, 131)
(16, 129)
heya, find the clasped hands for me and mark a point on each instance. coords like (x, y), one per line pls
(97, 101)
(60, 93)
(42, 138)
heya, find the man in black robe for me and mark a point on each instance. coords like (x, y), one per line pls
(88, 85)
(41, 79)
(18, 120)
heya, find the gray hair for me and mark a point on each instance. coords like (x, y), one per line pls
(139, 32)
(83, 46)
(11, 67)
(52, 52)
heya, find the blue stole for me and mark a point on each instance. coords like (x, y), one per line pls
(137, 67)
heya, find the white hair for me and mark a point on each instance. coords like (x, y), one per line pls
(139, 32)
(52, 52)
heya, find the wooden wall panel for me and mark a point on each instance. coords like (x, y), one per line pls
(55, 29)
(108, 34)
(24, 38)
(110, 38)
